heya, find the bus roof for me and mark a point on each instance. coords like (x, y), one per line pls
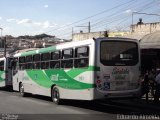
(55, 47)
(69, 45)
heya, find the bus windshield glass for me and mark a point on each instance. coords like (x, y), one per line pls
(121, 53)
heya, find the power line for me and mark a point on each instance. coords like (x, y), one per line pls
(120, 18)
(92, 16)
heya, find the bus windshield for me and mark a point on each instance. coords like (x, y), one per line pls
(121, 53)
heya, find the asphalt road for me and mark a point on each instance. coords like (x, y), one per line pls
(35, 107)
(39, 107)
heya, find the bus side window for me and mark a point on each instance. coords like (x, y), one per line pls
(81, 57)
(22, 63)
(2, 66)
(29, 64)
(36, 61)
(67, 58)
(55, 60)
(45, 58)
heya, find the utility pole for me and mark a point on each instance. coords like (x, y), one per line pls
(89, 27)
(5, 46)
(72, 33)
(1, 38)
(132, 22)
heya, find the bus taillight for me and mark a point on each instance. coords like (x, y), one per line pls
(98, 81)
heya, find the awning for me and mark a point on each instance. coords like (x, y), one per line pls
(151, 41)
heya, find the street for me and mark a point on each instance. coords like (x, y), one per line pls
(40, 107)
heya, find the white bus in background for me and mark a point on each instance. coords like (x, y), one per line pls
(5, 72)
(85, 70)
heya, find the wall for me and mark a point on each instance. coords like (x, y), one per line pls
(83, 36)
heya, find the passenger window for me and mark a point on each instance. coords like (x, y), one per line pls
(45, 65)
(55, 60)
(36, 63)
(67, 53)
(55, 64)
(29, 58)
(81, 57)
(28, 62)
(67, 61)
(21, 59)
(82, 52)
(55, 55)
(2, 66)
(29, 66)
(22, 63)
(45, 56)
(36, 57)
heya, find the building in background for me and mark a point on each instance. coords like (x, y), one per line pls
(137, 31)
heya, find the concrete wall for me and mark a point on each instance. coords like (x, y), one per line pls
(137, 32)
(83, 36)
(145, 28)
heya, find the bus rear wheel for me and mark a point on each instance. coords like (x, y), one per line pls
(56, 96)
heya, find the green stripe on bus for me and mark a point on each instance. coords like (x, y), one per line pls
(43, 50)
(49, 49)
(28, 53)
(47, 78)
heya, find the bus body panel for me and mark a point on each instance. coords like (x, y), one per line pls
(116, 80)
(30, 86)
(75, 83)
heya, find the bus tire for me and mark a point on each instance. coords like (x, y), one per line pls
(55, 95)
(21, 90)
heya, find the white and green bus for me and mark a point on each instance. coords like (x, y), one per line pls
(84, 70)
(5, 72)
